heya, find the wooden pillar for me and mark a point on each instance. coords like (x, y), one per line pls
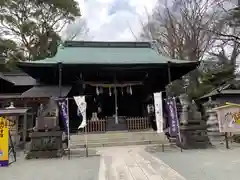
(169, 72)
(25, 125)
(116, 99)
(25, 128)
(116, 104)
(60, 78)
(16, 135)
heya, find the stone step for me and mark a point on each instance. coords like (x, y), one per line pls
(117, 135)
(114, 133)
(119, 143)
(118, 139)
(107, 140)
(81, 152)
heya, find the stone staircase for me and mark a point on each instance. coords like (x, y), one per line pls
(117, 138)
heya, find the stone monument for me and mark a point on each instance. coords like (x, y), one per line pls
(46, 138)
(212, 123)
(193, 128)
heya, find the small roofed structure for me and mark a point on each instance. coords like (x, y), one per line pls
(12, 114)
(228, 92)
(12, 83)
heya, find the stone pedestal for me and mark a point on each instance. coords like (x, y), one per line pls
(45, 145)
(192, 126)
(46, 140)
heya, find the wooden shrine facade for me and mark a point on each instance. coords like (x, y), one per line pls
(118, 78)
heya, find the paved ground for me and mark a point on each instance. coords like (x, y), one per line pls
(210, 164)
(132, 163)
(52, 169)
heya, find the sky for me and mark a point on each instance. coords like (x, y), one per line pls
(113, 20)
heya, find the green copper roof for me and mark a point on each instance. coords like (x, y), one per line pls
(80, 52)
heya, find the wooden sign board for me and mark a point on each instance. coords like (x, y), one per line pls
(229, 117)
(4, 138)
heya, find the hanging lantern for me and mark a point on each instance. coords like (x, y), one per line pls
(122, 90)
(130, 90)
(11, 106)
(110, 91)
(127, 90)
(97, 91)
(101, 90)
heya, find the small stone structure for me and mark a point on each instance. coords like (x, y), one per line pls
(192, 127)
(212, 122)
(46, 139)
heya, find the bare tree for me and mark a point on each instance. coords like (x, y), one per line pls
(230, 19)
(179, 27)
(189, 30)
(227, 46)
(77, 30)
(226, 51)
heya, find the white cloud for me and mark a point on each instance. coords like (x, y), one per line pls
(110, 20)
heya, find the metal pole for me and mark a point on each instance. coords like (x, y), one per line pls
(86, 141)
(84, 116)
(226, 140)
(68, 130)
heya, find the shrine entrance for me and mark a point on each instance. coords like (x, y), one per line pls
(117, 102)
(119, 99)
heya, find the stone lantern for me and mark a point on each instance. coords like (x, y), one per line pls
(212, 123)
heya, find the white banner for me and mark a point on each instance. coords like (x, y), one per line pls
(82, 106)
(158, 111)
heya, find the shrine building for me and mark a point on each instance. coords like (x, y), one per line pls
(117, 79)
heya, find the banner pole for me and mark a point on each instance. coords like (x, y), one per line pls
(178, 126)
(82, 107)
(68, 130)
(86, 139)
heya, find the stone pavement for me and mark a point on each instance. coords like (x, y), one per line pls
(76, 168)
(116, 163)
(133, 163)
(206, 164)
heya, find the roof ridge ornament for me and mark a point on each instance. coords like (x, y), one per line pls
(154, 45)
(61, 44)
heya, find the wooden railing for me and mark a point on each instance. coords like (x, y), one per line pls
(96, 126)
(133, 124)
(138, 123)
